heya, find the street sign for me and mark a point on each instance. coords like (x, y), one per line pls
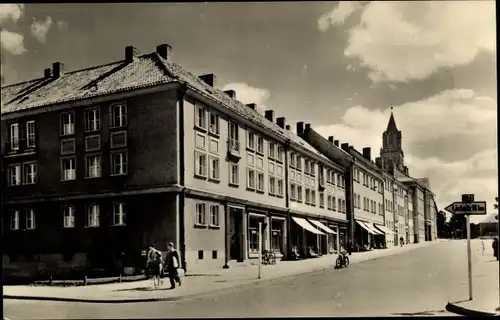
(468, 198)
(473, 208)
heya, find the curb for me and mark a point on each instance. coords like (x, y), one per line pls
(467, 312)
(184, 297)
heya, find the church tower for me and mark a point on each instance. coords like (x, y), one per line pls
(392, 151)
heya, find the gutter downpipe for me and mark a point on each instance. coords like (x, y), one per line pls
(288, 252)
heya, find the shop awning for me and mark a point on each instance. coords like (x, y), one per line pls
(372, 228)
(364, 226)
(306, 225)
(384, 229)
(322, 227)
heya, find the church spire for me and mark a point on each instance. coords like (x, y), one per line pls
(391, 126)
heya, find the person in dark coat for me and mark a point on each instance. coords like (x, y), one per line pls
(172, 262)
(495, 247)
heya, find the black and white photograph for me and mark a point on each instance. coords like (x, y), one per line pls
(249, 159)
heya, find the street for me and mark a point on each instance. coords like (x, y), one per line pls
(417, 283)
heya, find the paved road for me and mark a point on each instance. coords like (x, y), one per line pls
(416, 283)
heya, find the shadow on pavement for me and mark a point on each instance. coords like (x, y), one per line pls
(419, 313)
(138, 289)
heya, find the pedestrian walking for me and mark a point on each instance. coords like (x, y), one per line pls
(154, 265)
(482, 245)
(172, 264)
(495, 248)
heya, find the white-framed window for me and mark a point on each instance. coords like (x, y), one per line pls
(119, 213)
(308, 196)
(68, 168)
(250, 140)
(200, 164)
(200, 117)
(119, 163)
(200, 213)
(271, 167)
(260, 145)
(271, 150)
(30, 134)
(30, 219)
(14, 175)
(234, 142)
(14, 220)
(234, 174)
(298, 164)
(260, 181)
(214, 168)
(293, 191)
(214, 215)
(118, 139)
(68, 146)
(340, 205)
(280, 187)
(313, 197)
(67, 123)
(250, 178)
(299, 193)
(93, 166)
(92, 120)
(272, 185)
(281, 153)
(92, 143)
(329, 202)
(334, 204)
(14, 136)
(292, 159)
(118, 115)
(306, 166)
(68, 216)
(214, 123)
(30, 173)
(93, 215)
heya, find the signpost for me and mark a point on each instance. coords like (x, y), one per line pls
(260, 247)
(468, 207)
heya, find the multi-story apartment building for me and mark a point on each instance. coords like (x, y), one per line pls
(390, 218)
(101, 162)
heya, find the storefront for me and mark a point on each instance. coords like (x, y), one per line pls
(323, 240)
(278, 238)
(334, 239)
(367, 235)
(253, 233)
(304, 237)
(387, 233)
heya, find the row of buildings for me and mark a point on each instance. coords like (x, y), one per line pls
(100, 162)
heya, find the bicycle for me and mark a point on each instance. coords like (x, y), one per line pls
(342, 260)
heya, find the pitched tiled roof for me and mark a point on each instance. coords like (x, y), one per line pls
(145, 71)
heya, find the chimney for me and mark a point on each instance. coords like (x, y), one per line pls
(378, 162)
(336, 143)
(251, 105)
(47, 73)
(130, 53)
(345, 147)
(367, 153)
(164, 51)
(57, 70)
(231, 93)
(308, 126)
(287, 127)
(269, 115)
(281, 122)
(209, 79)
(330, 138)
(300, 128)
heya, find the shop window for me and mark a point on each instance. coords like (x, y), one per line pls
(200, 254)
(214, 254)
(277, 236)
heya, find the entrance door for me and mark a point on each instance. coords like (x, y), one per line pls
(235, 230)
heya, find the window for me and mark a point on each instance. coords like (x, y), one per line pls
(272, 185)
(30, 134)
(260, 145)
(30, 173)
(68, 146)
(271, 150)
(234, 144)
(92, 143)
(68, 123)
(118, 115)
(281, 153)
(250, 178)
(15, 175)
(93, 215)
(313, 197)
(214, 168)
(200, 164)
(118, 139)
(214, 215)
(298, 165)
(299, 193)
(93, 168)
(260, 181)
(334, 178)
(119, 213)
(30, 219)
(340, 205)
(68, 216)
(308, 196)
(334, 203)
(92, 120)
(118, 163)
(68, 166)
(292, 160)
(14, 220)
(250, 140)
(14, 136)
(200, 117)
(233, 173)
(200, 213)
(293, 191)
(214, 123)
(329, 202)
(280, 187)
(276, 236)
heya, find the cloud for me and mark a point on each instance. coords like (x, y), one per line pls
(39, 28)
(12, 42)
(404, 40)
(248, 94)
(444, 118)
(338, 15)
(11, 12)
(61, 25)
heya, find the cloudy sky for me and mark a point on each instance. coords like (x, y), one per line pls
(339, 66)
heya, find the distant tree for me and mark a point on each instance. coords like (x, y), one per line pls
(441, 224)
(495, 206)
(458, 225)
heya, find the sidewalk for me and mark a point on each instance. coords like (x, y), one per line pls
(218, 279)
(485, 285)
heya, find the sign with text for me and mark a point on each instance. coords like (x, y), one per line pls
(472, 208)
